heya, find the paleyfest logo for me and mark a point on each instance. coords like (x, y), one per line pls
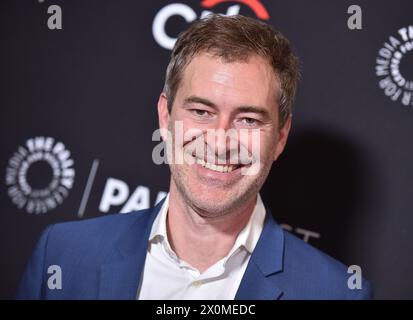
(46, 152)
(393, 80)
(187, 13)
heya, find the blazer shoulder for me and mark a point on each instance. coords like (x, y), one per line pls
(80, 249)
(93, 240)
(317, 274)
(114, 222)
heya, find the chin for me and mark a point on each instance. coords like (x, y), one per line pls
(212, 197)
(210, 208)
(214, 202)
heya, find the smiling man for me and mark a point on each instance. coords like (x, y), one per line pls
(230, 83)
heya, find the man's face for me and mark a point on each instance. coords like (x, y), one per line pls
(217, 95)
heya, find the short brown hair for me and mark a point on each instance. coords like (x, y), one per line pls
(236, 38)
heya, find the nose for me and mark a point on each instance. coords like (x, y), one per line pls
(222, 136)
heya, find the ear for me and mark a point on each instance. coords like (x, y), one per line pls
(282, 137)
(163, 114)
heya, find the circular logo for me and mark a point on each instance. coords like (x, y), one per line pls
(39, 175)
(391, 70)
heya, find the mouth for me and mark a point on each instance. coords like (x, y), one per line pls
(217, 167)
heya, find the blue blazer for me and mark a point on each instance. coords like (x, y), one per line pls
(103, 258)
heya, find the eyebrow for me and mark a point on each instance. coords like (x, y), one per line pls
(241, 109)
(195, 99)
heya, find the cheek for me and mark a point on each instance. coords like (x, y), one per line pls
(179, 128)
(260, 143)
(182, 121)
(269, 149)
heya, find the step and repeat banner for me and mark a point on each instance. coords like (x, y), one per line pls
(79, 83)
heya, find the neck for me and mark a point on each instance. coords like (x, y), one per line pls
(199, 240)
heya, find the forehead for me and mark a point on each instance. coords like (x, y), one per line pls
(252, 81)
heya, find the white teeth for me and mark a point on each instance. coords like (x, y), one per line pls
(214, 167)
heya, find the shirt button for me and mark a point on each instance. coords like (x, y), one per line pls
(197, 284)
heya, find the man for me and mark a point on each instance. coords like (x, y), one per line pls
(212, 237)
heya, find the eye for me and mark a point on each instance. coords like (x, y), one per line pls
(200, 112)
(249, 121)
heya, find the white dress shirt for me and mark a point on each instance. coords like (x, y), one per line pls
(166, 276)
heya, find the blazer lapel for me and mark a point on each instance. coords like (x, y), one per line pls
(256, 286)
(120, 278)
(259, 280)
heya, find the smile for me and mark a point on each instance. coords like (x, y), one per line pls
(217, 167)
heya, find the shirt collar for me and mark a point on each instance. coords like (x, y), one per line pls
(247, 238)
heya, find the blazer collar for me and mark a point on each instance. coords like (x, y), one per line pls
(259, 280)
(120, 279)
